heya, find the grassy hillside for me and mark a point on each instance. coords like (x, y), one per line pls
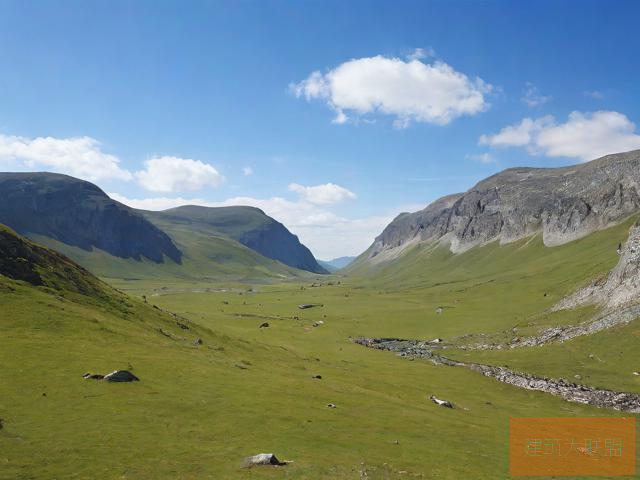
(248, 226)
(206, 257)
(198, 410)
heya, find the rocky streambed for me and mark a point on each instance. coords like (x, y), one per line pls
(572, 392)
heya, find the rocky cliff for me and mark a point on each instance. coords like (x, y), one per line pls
(78, 213)
(562, 203)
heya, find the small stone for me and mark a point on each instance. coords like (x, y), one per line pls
(121, 376)
(264, 325)
(331, 405)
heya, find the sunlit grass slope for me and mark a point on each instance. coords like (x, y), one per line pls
(206, 257)
(198, 410)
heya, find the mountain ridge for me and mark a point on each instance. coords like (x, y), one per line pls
(79, 219)
(563, 204)
(80, 214)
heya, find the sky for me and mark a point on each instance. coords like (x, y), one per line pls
(331, 116)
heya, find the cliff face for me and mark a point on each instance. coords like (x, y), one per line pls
(273, 240)
(562, 203)
(78, 213)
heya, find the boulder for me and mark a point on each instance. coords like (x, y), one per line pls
(442, 403)
(263, 459)
(92, 376)
(121, 376)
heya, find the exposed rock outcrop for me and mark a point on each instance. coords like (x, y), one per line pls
(563, 204)
(621, 286)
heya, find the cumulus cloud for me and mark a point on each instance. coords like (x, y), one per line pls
(77, 156)
(247, 171)
(407, 90)
(532, 97)
(327, 234)
(518, 135)
(173, 174)
(326, 194)
(584, 136)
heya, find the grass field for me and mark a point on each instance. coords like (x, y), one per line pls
(198, 410)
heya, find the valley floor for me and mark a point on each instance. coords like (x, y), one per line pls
(199, 409)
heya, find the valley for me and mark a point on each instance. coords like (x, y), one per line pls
(199, 409)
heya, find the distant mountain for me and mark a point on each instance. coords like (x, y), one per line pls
(113, 240)
(337, 263)
(249, 226)
(563, 204)
(78, 213)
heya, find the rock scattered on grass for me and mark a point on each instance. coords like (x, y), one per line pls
(318, 377)
(121, 376)
(197, 341)
(264, 325)
(115, 376)
(331, 405)
(442, 403)
(304, 306)
(268, 459)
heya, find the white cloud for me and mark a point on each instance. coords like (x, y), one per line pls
(584, 135)
(532, 97)
(173, 174)
(247, 171)
(77, 156)
(518, 135)
(156, 203)
(485, 158)
(326, 194)
(408, 90)
(327, 234)
(420, 53)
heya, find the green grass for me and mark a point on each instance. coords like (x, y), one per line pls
(207, 258)
(197, 411)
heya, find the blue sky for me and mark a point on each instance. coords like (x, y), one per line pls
(162, 103)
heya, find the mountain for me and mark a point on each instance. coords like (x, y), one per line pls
(562, 204)
(249, 226)
(337, 263)
(113, 240)
(79, 214)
